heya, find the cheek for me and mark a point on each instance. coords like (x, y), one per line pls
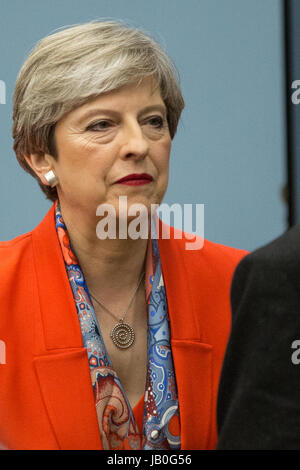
(85, 157)
(164, 158)
(81, 151)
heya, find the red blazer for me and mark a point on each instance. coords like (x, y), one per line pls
(46, 397)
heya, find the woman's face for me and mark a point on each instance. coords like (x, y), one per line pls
(121, 132)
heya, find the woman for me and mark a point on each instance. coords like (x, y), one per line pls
(112, 343)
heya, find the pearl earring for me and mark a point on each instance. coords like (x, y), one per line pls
(51, 178)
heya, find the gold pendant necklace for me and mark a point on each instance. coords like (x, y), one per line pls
(122, 334)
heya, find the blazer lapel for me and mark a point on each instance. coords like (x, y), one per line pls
(60, 360)
(192, 358)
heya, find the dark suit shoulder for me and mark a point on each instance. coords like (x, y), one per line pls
(273, 264)
(285, 248)
(265, 286)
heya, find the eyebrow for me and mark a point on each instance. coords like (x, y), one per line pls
(93, 112)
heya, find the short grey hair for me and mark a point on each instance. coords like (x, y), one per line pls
(70, 67)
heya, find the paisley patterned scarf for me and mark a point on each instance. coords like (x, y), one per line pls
(117, 424)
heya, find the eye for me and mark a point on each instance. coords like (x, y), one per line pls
(156, 121)
(99, 125)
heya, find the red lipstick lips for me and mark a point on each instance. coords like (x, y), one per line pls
(135, 179)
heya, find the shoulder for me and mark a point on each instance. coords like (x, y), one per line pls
(16, 242)
(195, 247)
(270, 275)
(18, 248)
(281, 255)
(12, 252)
(15, 245)
(199, 254)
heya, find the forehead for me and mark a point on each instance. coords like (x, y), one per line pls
(133, 96)
(148, 88)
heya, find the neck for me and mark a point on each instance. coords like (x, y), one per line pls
(110, 265)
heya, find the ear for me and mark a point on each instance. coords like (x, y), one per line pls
(40, 164)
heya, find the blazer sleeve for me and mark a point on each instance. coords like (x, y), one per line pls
(259, 393)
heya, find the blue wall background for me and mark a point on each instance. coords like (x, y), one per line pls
(229, 152)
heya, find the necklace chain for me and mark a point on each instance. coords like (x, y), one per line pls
(122, 334)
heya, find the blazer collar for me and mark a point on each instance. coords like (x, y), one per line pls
(63, 369)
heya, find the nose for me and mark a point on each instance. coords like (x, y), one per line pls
(134, 144)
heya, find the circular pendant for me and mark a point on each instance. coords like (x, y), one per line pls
(122, 335)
